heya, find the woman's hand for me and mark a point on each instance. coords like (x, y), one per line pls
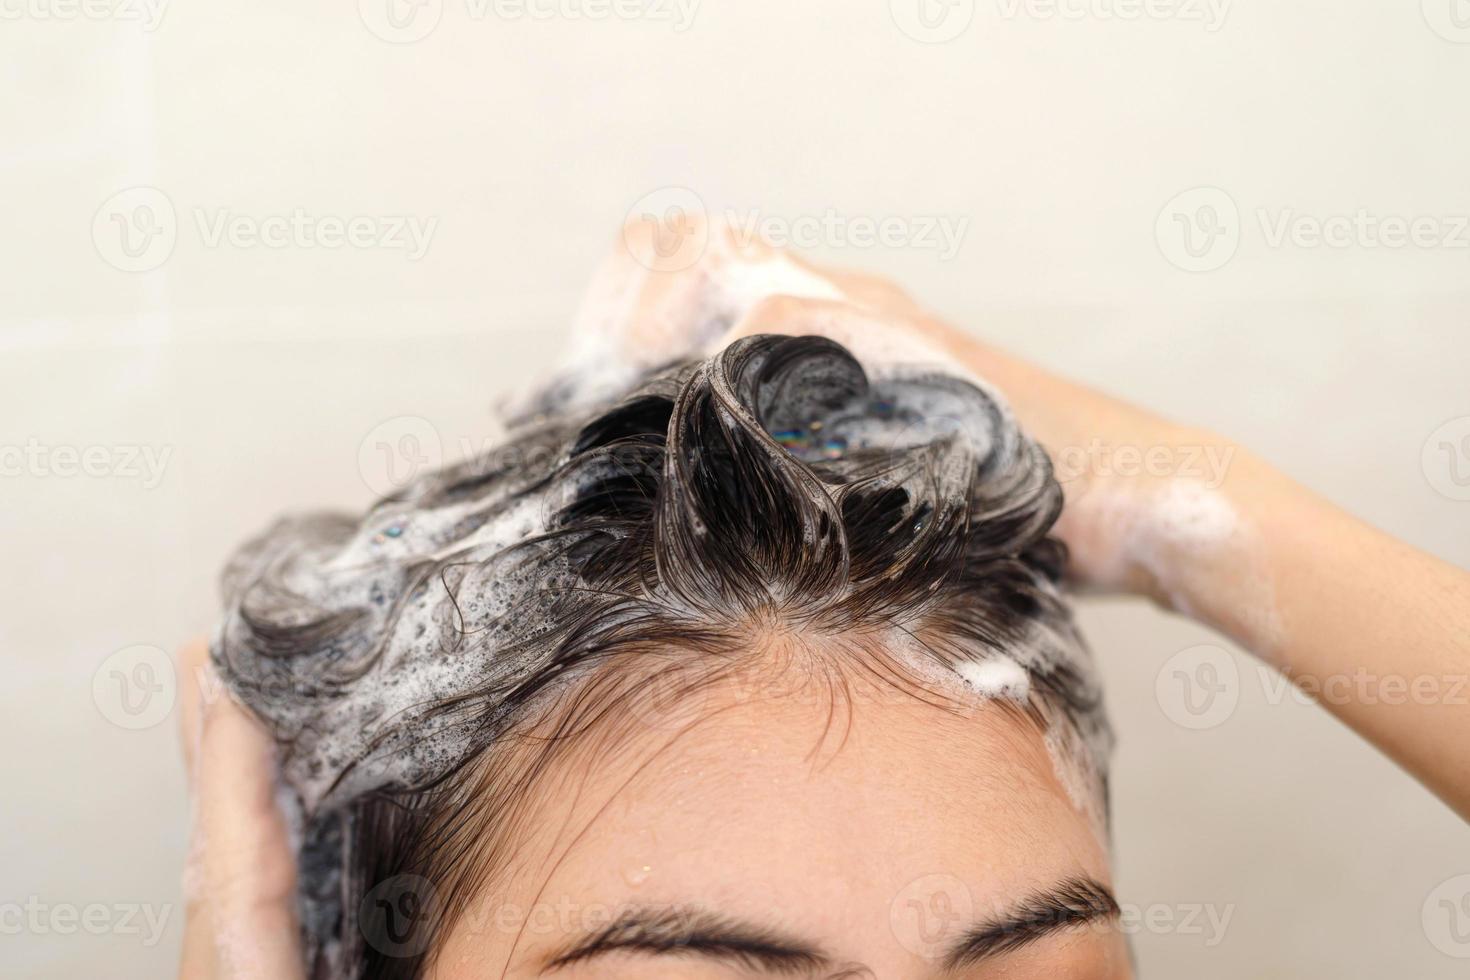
(667, 282)
(1126, 474)
(240, 885)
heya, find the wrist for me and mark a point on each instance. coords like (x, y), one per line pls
(1208, 546)
(1174, 518)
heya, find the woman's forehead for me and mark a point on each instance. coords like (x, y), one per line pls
(826, 817)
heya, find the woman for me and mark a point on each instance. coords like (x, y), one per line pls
(747, 656)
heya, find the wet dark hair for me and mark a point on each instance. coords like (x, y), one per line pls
(775, 485)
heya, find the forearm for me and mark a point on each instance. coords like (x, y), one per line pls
(1377, 631)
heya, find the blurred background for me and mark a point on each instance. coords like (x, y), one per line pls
(273, 256)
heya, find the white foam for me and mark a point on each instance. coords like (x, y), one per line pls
(998, 677)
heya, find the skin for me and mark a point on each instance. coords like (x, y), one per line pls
(947, 820)
(912, 790)
(239, 887)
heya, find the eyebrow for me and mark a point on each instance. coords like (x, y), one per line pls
(697, 932)
(1076, 901)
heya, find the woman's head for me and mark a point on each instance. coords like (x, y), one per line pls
(760, 657)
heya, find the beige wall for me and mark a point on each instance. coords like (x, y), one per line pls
(1062, 142)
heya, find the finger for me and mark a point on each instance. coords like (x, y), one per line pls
(244, 871)
(875, 338)
(192, 663)
(873, 293)
(794, 315)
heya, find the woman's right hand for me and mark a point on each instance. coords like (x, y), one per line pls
(240, 886)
